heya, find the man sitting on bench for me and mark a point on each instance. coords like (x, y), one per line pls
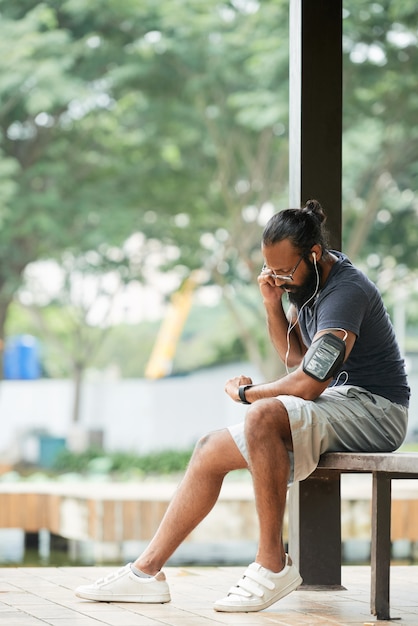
(347, 391)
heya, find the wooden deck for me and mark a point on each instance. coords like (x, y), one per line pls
(116, 512)
(44, 596)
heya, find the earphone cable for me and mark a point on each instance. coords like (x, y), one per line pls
(292, 326)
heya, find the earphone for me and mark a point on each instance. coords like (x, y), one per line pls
(314, 256)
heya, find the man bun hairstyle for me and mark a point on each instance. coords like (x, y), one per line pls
(304, 228)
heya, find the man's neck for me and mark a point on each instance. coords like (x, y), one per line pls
(327, 266)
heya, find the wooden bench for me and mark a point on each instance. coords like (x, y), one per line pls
(315, 510)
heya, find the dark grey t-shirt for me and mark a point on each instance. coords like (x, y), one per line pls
(349, 300)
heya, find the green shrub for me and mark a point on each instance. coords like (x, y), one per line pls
(95, 460)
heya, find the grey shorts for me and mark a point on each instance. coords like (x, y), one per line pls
(342, 419)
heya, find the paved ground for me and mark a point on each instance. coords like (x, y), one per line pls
(42, 596)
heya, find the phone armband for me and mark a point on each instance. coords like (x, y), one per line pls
(324, 357)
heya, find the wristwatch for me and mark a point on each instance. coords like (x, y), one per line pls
(241, 392)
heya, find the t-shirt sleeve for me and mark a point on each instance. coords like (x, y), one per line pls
(344, 307)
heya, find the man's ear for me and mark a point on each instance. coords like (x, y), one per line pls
(316, 253)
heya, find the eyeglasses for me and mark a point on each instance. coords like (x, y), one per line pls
(280, 277)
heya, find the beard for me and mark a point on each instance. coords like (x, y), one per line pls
(298, 296)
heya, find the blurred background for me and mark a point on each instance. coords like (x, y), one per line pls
(143, 146)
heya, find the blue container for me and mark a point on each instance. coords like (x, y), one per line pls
(21, 360)
(49, 448)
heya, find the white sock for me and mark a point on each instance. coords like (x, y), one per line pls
(138, 572)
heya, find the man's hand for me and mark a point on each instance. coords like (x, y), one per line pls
(270, 292)
(231, 386)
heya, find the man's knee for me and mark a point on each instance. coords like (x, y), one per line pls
(204, 444)
(217, 452)
(267, 418)
(213, 445)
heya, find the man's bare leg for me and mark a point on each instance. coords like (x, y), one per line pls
(269, 439)
(272, 576)
(215, 455)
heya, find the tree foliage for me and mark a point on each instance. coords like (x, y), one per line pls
(171, 119)
(131, 117)
(381, 132)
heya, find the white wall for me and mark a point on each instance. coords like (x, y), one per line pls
(134, 415)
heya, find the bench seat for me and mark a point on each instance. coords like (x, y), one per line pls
(315, 510)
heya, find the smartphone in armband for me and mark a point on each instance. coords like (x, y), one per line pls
(324, 357)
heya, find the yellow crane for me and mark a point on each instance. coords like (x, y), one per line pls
(160, 362)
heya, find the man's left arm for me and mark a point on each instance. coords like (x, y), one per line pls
(297, 383)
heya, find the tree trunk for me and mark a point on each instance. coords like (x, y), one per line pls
(78, 387)
(270, 365)
(367, 218)
(4, 307)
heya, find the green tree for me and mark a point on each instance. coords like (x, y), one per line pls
(122, 117)
(130, 117)
(381, 132)
(57, 189)
(76, 319)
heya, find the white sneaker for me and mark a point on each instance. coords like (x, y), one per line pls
(125, 586)
(259, 588)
